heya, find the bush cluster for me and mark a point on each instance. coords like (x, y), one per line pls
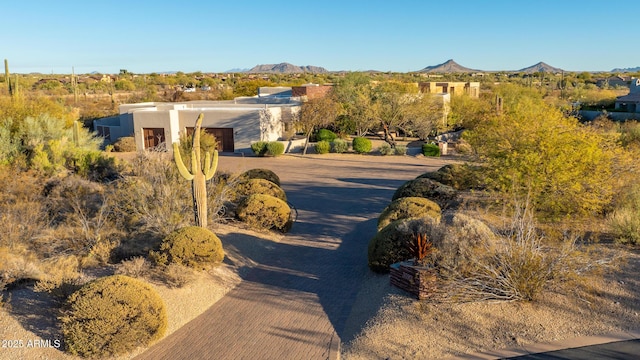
(361, 145)
(325, 135)
(267, 148)
(260, 174)
(259, 148)
(409, 207)
(192, 246)
(442, 194)
(249, 187)
(340, 146)
(430, 149)
(125, 144)
(111, 316)
(323, 147)
(458, 176)
(265, 212)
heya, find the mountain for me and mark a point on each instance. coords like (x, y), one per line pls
(449, 66)
(624, 70)
(541, 67)
(285, 68)
(236, 70)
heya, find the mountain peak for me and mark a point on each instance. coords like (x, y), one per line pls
(285, 68)
(448, 66)
(541, 67)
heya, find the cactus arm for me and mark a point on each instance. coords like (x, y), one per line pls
(211, 165)
(181, 168)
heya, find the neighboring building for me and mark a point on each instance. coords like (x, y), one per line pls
(310, 91)
(236, 124)
(275, 91)
(454, 88)
(613, 82)
(630, 102)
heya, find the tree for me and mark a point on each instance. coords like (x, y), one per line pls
(391, 101)
(424, 114)
(354, 93)
(316, 113)
(532, 150)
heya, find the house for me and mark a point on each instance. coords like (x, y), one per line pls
(236, 124)
(310, 91)
(630, 102)
(613, 82)
(454, 88)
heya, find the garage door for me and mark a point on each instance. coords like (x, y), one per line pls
(224, 137)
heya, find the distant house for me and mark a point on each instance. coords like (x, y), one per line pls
(630, 102)
(613, 81)
(454, 88)
(236, 124)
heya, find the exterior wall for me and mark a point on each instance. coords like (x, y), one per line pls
(453, 88)
(311, 91)
(151, 119)
(119, 126)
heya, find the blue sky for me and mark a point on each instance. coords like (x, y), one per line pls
(392, 35)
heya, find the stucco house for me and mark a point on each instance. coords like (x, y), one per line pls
(454, 88)
(630, 102)
(236, 124)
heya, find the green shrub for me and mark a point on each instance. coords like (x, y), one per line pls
(325, 135)
(275, 148)
(442, 194)
(191, 246)
(258, 186)
(125, 144)
(390, 245)
(361, 145)
(400, 150)
(624, 221)
(323, 147)
(430, 149)
(385, 149)
(95, 166)
(259, 148)
(260, 174)
(111, 316)
(408, 207)
(265, 212)
(340, 146)
(458, 176)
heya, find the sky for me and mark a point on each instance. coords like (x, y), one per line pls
(349, 35)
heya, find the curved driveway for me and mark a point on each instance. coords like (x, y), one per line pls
(298, 300)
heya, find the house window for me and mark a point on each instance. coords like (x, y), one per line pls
(104, 132)
(153, 137)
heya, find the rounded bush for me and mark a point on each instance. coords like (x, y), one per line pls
(325, 135)
(258, 186)
(125, 144)
(361, 145)
(409, 207)
(390, 245)
(430, 149)
(265, 212)
(442, 194)
(385, 149)
(192, 246)
(111, 316)
(340, 146)
(400, 150)
(458, 176)
(259, 148)
(323, 147)
(261, 174)
(275, 148)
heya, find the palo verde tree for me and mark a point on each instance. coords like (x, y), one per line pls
(317, 113)
(354, 94)
(532, 150)
(199, 175)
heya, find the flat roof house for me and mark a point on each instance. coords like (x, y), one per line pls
(630, 102)
(454, 88)
(236, 124)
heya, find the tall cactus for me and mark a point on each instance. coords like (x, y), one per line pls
(7, 78)
(198, 175)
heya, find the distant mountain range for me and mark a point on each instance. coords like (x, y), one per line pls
(624, 70)
(447, 67)
(541, 67)
(285, 68)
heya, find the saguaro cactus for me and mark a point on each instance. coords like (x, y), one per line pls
(7, 78)
(199, 174)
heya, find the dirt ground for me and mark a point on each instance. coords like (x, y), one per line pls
(402, 328)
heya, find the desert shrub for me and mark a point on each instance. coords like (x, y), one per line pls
(191, 246)
(111, 316)
(458, 176)
(390, 245)
(463, 147)
(323, 147)
(125, 144)
(430, 149)
(275, 148)
(260, 174)
(361, 145)
(60, 276)
(408, 207)
(137, 267)
(400, 150)
(258, 186)
(385, 149)
(259, 148)
(442, 194)
(325, 135)
(624, 221)
(174, 275)
(340, 146)
(265, 212)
